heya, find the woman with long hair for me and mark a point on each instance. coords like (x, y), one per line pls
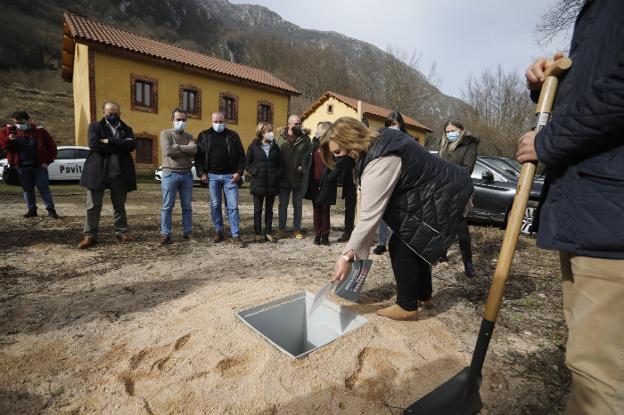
(460, 147)
(421, 197)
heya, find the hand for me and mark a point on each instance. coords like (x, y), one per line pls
(236, 177)
(44, 165)
(204, 178)
(535, 73)
(342, 269)
(104, 140)
(12, 136)
(526, 150)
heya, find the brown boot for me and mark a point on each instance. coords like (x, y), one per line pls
(124, 237)
(87, 242)
(281, 233)
(428, 304)
(165, 240)
(238, 241)
(218, 237)
(395, 312)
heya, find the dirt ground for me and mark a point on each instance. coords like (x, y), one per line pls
(135, 328)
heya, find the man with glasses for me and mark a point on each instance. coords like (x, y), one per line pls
(296, 148)
(108, 166)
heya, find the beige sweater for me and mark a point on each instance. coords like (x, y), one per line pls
(379, 179)
(178, 150)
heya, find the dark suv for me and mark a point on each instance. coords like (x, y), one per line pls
(495, 180)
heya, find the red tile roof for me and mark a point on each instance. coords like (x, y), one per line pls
(81, 28)
(367, 109)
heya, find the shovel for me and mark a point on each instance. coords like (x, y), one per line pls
(460, 394)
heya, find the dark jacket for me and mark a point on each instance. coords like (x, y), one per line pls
(583, 146)
(265, 171)
(465, 154)
(324, 191)
(296, 157)
(429, 199)
(344, 168)
(235, 150)
(94, 172)
(46, 147)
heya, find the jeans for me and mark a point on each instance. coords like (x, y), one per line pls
(95, 199)
(382, 230)
(268, 214)
(321, 219)
(35, 176)
(297, 200)
(412, 275)
(220, 184)
(172, 183)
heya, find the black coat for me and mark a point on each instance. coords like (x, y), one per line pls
(583, 146)
(324, 191)
(94, 171)
(428, 201)
(235, 150)
(344, 167)
(265, 171)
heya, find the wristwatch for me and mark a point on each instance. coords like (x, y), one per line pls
(348, 258)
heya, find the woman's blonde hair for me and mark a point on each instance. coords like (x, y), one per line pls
(350, 135)
(262, 128)
(445, 145)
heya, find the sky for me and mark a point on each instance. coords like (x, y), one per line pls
(462, 37)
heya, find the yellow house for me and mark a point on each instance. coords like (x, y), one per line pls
(150, 78)
(331, 106)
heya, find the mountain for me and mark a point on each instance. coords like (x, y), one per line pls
(313, 61)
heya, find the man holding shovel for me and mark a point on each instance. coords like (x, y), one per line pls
(582, 211)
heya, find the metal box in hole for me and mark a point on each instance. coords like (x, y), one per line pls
(286, 325)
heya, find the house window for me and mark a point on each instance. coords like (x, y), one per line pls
(265, 111)
(190, 101)
(330, 108)
(143, 94)
(144, 149)
(228, 105)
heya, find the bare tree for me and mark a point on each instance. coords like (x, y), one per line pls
(557, 19)
(502, 109)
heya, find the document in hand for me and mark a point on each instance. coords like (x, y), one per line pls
(350, 287)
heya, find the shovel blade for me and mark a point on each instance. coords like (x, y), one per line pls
(458, 396)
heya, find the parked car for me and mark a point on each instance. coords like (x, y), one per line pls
(66, 167)
(196, 179)
(495, 180)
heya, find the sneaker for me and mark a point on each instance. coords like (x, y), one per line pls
(31, 213)
(317, 240)
(187, 237)
(52, 214)
(396, 312)
(344, 237)
(86, 242)
(218, 237)
(238, 241)
(298, 235)
(124, 237)
(258, 238)
(325, 240)
(469, 269)
(379, 249)
(270, 238)
(165, 240)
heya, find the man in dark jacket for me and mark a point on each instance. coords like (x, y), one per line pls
(582, 214)
(220, 161)
(30, 149)
(109, 165)
(296, 149)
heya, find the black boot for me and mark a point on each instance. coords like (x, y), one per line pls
(317, 240)
(325, 239)
(31, 213)
(379, 249)
(52, 213)
(469, 268)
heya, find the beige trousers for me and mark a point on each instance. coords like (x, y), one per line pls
(593, 304)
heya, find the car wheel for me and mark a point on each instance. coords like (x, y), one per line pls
(527, 221)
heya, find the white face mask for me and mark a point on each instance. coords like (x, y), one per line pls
(453, 136)
(218, 127)
(269, 136)
(395, 127)
(179, 125)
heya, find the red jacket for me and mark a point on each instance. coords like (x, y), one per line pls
(46, 147)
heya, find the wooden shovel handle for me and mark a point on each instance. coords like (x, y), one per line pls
(525, 182)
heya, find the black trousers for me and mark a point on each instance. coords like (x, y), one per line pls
(350, 197)
(258, 201)
(412, 275)
(463, 235)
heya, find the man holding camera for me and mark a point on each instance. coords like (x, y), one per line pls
(30, 149)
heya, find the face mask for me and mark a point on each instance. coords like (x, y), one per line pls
(22, 127)
(179, 125)
(269, 136)
(452, 136)
(296, 130)
(395, 127)
(112, 119)
(218, 127)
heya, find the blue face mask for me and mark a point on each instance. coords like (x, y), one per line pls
(179, 125)
(453, 136)
(22, 127)
(218, 127)
(112, 119)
